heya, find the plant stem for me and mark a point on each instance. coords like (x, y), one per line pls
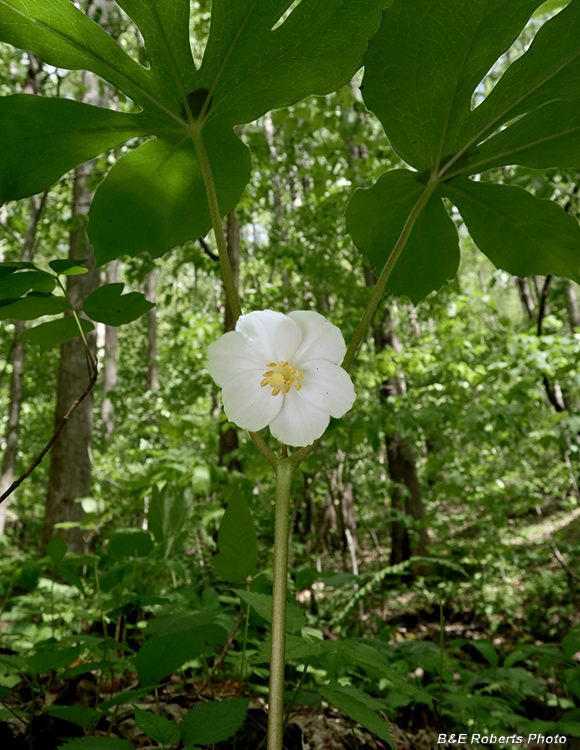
(284, 471)
(216, 219)
(379, 288)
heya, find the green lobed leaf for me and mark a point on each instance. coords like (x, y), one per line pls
(62, 36)
(34, 306)
(424, 63)
(421, 71)
(108, 305)
(549, 70)
(518, 232)
(252, 67)
(237, 543)
(154, 199)
(547, 137)
(355, 705)
(262, 603)
(78, 715)
(214, 721)
(375, 219)
(159, 728)
(56, 332)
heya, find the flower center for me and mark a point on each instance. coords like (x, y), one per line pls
(281, 377)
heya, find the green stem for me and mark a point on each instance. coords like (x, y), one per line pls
(379, 288)
(284, 471)
(227, 273)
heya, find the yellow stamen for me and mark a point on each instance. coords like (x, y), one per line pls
(281, 377)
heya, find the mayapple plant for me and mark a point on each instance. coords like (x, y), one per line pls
(424, 67)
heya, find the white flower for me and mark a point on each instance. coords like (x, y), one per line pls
(282, 371)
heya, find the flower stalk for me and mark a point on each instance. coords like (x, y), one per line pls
(284, 470)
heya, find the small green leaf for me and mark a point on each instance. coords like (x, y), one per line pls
(78, 715)
(137, 543)
(262, 603)
(56, 549)
(67, 266)
(108, 305)
(160, 656)
(159, 728)
(34, 306)
(214, 721)
(518, 232)
(16, 284)
(8, 267)
(237, 544)
(355, 704)
(169, 511)
(44, 661)
(56, 332)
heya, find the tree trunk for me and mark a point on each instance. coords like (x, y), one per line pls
(70, 467)
(152, 367)
(110, 365)
(36, 204)
(407, 497)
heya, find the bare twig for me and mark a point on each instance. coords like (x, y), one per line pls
(60, 427)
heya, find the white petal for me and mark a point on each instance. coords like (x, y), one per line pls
(298, 423)
(272, 335)
(327, 386)
(249, 405)
(320, 338)
(230, 356)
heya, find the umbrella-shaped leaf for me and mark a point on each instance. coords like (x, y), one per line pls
(422, 70)
(256, 59)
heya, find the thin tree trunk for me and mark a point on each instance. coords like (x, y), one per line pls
(110, 365)
(573, 309)
(152, 366)
(36, 204)
(70, 467)
(407, 497)
(32, 85)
